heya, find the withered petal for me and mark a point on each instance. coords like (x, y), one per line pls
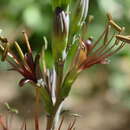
(24, 81)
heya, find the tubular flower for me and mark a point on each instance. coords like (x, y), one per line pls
(23, 63)
(90, 52)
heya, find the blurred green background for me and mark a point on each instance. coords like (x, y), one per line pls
(101, 94)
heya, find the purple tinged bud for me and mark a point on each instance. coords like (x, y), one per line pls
(60, 32)
(61, 23)
(88, 44)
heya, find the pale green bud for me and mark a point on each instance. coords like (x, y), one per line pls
(60, 32)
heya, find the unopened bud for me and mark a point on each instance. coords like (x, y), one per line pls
(60, 32)
(61, 23)
(80, 14)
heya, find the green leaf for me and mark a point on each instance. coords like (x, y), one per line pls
(46, 59)
(49, 59)
(70, 57)
(67, 84)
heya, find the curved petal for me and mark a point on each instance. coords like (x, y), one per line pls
(25, 81)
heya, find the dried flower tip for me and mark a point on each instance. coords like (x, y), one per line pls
(27, 42)
(123, 38)
(109, 16)
(113, 24)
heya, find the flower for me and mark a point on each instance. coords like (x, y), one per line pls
(23, 63)
(90, 53)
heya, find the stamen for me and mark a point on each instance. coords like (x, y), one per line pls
(106, 34)
(101, 57)
(114, 25)
(11, 55)
(123, 38)
(27, 42)
(110, 54)
(19, 51)
(103, 47)
(107, 50)
(123, 29)
(25, 65)
(97, 41)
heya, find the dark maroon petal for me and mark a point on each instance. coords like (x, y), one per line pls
(38, 73)
(25, 81)
(29, 59)
(27, 74)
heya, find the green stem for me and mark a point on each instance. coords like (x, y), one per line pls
(51, 120)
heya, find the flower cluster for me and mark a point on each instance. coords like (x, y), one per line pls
(23, 63)
(71, 53)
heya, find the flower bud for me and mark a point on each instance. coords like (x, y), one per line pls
(80, 14)
(60, 32)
